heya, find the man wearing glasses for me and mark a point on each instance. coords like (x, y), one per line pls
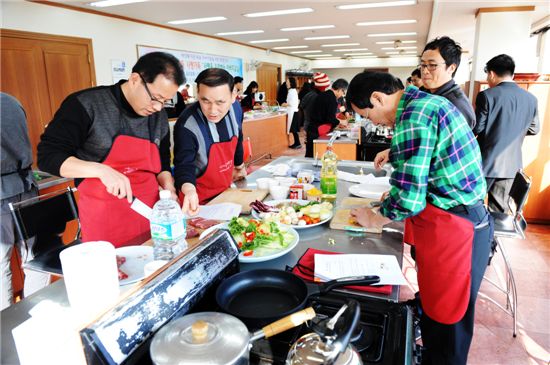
(438, 186)
(114, 140)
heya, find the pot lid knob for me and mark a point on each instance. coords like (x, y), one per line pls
(199, 331)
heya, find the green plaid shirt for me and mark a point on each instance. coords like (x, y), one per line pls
(435, 157)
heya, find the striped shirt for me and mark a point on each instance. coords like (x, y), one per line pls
(435, 156)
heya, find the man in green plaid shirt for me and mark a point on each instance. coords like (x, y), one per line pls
(437, 186)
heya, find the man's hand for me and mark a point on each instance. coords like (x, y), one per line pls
(190, 199)
(381, 159)
(239, 172)
(115, 182)
(366, 217)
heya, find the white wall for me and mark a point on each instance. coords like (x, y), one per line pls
(117, 39)
(349, 73)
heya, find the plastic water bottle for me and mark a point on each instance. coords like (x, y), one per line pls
(329, 172)
(168, 228)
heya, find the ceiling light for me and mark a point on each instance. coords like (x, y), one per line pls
(386, 22)
(318, 55)
(105, 3)
(279, 12)
(271, 40)
(401, 52)
(290, 47)
(198, 20)
(306, 28)
(377, 5)
(391, 34)
(393, 42)
(398, 48)
(241, 32)
(340, 44)
(298, 52)
(358, 54)
(351, 49)
(357, 58)
(327, 37)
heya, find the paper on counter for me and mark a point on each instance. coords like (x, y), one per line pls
(280, 169)
(330, 267)
(220, 212)
(364, 179)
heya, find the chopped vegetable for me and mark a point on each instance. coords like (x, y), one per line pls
(258, 238)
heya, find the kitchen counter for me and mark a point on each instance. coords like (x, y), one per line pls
(389, 242)
(48, 180)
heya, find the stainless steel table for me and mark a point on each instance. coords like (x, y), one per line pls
(389, 243)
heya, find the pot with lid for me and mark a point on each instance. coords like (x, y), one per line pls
(329, 344)
(214, 338)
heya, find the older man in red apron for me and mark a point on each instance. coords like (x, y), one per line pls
(115, 141)
(208, 151)
(438, 184)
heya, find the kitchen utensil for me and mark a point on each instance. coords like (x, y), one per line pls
(214, 338)
(369, 190)
(136, 259)
(260, 296)
(279, 192)
(240, 196)
(330, 342)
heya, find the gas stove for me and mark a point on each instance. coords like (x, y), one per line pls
(384, 335)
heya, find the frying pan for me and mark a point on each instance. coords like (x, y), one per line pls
(258, 297)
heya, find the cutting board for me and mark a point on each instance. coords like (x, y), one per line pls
(341, 216)
(240, 196)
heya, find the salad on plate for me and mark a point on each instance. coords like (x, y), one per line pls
(257, 238)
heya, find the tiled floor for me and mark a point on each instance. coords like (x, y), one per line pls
(493, 343)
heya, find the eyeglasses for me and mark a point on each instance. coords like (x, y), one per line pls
(485, 69)
(430, 66)
(154, 100)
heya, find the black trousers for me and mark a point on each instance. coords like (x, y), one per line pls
(312, 133)
(449, 344)
(295, 128)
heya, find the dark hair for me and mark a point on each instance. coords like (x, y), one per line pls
(340, 84)
(364, 84)
(215, 77)
(152, 64)
(449, 50)
(409, 79)
(416, 72)
(292, 82)
(502, 65)
(252, 85)
(237, 79)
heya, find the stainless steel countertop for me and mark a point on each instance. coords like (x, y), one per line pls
(48, 180)
(389, 242)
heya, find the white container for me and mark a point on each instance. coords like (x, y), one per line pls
(91, 277)
(286, 181)
(168, 228)
(263, 183)
(279, 192)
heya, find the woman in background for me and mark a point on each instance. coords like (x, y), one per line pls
(291, 104)
(248, 102)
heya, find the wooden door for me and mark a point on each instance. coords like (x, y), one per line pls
(41, 70)
(268, 76)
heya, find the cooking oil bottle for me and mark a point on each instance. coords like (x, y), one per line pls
(329, 180)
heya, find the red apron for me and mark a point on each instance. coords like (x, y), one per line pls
(443, 244)
(108, 218)
(219, 171)
(324, 129)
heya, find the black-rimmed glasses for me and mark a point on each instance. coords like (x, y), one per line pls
(430, 66)
(153, 99)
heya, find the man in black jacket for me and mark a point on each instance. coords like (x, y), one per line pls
(505, 114)
(438, 64)
(324, 112)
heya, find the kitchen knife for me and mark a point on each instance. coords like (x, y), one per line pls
(142, 208)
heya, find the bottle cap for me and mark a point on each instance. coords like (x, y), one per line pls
(165, 194)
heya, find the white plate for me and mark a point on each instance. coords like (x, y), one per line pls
(136, 259)
(252, 258)
(373, 191)
(273, 203)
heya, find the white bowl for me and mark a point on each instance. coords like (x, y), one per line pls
(263, 182)
(279, 192)
(286, 181)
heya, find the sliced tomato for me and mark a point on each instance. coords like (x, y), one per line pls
(249, 236)
(315, 220)
(248, 253)
(307, 219)
(239, 244)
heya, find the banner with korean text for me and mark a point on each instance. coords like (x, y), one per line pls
(193, 63)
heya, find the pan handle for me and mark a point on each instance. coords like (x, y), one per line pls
(283, 324)
(350, 280)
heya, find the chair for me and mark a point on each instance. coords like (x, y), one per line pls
(45, 218)
(510, 226)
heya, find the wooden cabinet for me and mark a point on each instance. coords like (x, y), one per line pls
(536, 152)
(267, 135)
(344, 151)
